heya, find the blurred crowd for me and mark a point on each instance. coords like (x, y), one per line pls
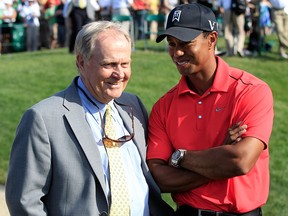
(38, 24)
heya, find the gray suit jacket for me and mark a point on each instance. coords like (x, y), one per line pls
(55, 166)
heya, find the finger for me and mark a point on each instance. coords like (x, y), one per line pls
(237, 134)
(238, 139)
(240, 129)
(235, 126)
(234, 137)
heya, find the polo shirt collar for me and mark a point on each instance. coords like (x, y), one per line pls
(220, 83)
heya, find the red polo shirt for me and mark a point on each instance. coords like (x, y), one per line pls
(183, 119)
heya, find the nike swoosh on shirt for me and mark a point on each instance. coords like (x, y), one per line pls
(218, 109)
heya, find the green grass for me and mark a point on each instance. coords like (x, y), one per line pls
(27, 78)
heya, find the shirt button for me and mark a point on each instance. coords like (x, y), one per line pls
(199, 102)
(200, 117)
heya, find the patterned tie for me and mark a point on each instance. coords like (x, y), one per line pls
(120, 205)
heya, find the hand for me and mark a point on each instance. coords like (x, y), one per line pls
(234, 133)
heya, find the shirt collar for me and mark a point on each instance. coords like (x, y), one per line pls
(100, 105)
(220, 83)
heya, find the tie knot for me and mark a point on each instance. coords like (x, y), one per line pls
(108, 110)
(108, 119)
(109, 128)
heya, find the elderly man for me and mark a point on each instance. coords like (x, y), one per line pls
(82, 151)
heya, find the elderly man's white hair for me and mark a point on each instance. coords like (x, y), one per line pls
(85, 40)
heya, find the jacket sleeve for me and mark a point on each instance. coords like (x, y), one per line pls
(29, 167)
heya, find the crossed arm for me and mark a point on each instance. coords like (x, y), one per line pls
(235, 157)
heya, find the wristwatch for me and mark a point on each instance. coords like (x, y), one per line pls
(177, 156)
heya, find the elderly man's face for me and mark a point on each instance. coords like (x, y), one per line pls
(108, 71)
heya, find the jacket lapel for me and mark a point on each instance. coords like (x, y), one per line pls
(82, 131)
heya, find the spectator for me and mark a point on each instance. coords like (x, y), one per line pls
(280, 18)
(140, 8)
(188, 153)
(44, 29)
(122, 7)
(9, 15)
(61, 28)
(233, 29)
(167, 6)
(49, 15)
(31, 12)
(105, 9)
(154, 6)
(2, 5)
(265, 18)
(68, 25)
(81, 12)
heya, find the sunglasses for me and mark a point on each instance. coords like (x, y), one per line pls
(109, 142)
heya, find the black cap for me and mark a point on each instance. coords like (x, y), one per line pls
(186, 21)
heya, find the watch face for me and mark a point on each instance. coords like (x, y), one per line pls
(176, 155)
(175, 158)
